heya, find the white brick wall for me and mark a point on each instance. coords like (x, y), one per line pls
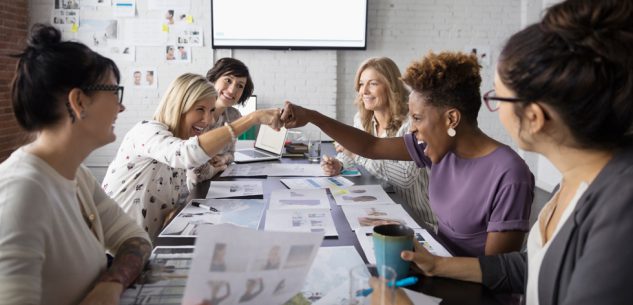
(404, 30)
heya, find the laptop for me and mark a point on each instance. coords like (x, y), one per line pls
(268, 146)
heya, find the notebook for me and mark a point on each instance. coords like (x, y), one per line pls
(268, 146)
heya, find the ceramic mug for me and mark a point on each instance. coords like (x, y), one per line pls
(389, 241)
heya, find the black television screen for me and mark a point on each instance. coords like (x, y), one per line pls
(289, 24)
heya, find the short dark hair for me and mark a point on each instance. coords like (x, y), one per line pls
(448, 79)
(47, 70)
(578, 61)
(233, 67)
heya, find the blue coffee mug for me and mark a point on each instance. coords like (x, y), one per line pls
(389, 241)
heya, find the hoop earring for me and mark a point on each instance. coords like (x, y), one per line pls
(451, 132)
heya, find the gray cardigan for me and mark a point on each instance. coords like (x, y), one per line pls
(590, 261)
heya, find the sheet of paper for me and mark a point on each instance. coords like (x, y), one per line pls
(419, 298)
(240, 212)
(335, 183)
(362, 195)
(295, 170)
(246, 170)
(301, 221)
(328, 279)
(164, 280)
(299, 199)
(241, 188)
(124, 8)
(144, 32)
(365, 239)
(373, 215)
(235, 265)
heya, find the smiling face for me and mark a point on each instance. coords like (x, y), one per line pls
(199, 117)
(373, 90)
(230, 89)
(102, 108)
(429, 125)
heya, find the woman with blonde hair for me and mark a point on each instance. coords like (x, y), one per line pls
(148, 176)
(382, 112)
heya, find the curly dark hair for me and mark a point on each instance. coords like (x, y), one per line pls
(448, 79)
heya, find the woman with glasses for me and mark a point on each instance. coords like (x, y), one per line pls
(564, 89)
(56, 223)
(382, 111)
(479, 189)
(149, 175)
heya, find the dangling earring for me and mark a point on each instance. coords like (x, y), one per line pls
(451, 132)
(82, 114)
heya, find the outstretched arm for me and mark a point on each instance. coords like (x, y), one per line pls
(353, 139)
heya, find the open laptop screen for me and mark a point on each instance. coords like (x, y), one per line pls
(271, 140)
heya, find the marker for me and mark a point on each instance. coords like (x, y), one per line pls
(202, 205)
(408, 281)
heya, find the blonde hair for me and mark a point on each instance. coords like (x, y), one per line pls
(396, 95)
(180, 96)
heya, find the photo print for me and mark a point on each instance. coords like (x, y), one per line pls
(178, 53)
(144, 78)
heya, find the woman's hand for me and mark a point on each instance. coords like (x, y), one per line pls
(401, 297)
(220, 160)
(104, 293)
(340, 149)
(423, 259)
(270, 117)
(331, 166)
(294, 116)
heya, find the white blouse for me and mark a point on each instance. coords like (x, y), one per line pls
(536, 249)
(148, 177)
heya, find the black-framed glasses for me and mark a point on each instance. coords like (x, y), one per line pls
(118, 90)
(492, 100)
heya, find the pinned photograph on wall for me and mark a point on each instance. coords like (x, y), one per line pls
(143, 78)
(186, 34)
(67, 4)
(65, 20)
(177, 53)
(118, 50)
(124, 8)
(174, 17)
(97, 33)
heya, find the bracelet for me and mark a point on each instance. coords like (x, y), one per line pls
(231, 131)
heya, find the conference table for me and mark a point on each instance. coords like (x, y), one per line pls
(450, 291)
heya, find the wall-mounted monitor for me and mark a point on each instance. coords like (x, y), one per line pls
(289, 24)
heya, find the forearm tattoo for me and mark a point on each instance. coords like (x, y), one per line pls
(128, 262)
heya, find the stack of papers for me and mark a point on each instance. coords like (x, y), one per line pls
(370, 215)
(361, 195)
(232, 189)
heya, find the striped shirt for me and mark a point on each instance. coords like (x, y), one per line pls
(408, 180)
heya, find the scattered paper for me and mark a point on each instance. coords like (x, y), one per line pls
(299, 199)
(235, 265)
(419, 298)
(301, 221)
(240, 212)
(377, 214)
(333, 183)
(362, 195)
(241, 188)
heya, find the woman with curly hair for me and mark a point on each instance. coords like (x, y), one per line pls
(381, 100)
(480, 190)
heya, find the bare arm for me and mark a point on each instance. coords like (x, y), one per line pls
(353, 139)
(126, 267)
(214, 140)
(504, 242)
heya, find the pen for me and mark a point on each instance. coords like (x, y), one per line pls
(407, 281)
(202, 205)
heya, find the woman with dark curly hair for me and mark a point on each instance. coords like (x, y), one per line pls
(564, 89)
(479, 189)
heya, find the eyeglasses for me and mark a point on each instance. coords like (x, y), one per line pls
(492, 100)
(118, 90)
